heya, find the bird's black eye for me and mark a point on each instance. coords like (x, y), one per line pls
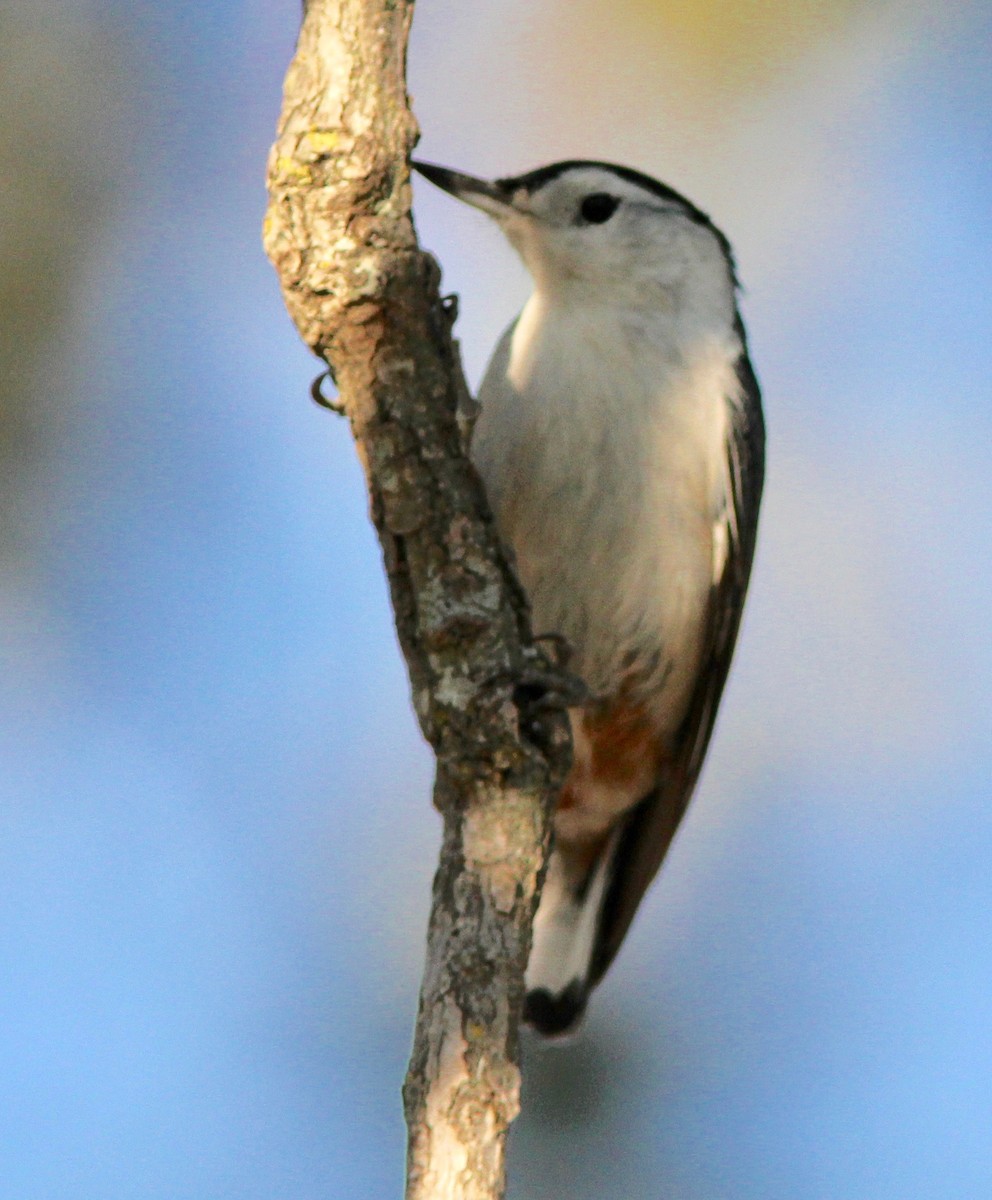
(598, 207)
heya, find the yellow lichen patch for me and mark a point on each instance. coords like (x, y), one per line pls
(322, 141)
(291, 171)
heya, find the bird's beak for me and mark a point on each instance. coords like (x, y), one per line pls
(494, 198)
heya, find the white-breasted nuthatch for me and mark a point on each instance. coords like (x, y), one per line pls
(620, 439)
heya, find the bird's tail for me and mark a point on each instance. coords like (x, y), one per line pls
(560, 969)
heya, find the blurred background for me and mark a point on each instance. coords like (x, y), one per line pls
(217, 840)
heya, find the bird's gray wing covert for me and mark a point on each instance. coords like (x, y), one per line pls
(650, 827)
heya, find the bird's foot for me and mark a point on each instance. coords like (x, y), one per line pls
(540, 689)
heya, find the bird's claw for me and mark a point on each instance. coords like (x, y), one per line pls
(563, 649)
(449, 306)
(318, 397)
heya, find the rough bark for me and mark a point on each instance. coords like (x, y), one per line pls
(365, 298)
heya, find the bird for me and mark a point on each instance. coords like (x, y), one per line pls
(620, 440)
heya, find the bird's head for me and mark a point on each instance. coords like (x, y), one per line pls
(599, 233)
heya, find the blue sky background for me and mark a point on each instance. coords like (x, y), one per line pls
(217, 842)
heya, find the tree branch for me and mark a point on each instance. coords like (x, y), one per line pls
(364, 297)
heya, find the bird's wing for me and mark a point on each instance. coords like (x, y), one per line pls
(651, 825)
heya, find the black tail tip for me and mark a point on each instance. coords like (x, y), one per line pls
(552, 1015)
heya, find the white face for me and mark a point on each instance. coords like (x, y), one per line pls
(592, 230)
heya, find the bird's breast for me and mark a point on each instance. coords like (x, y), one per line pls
(603, 448)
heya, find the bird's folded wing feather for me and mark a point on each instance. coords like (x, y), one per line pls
(651, 825)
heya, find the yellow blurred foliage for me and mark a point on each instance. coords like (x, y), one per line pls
(731, 43)
(57, 97)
